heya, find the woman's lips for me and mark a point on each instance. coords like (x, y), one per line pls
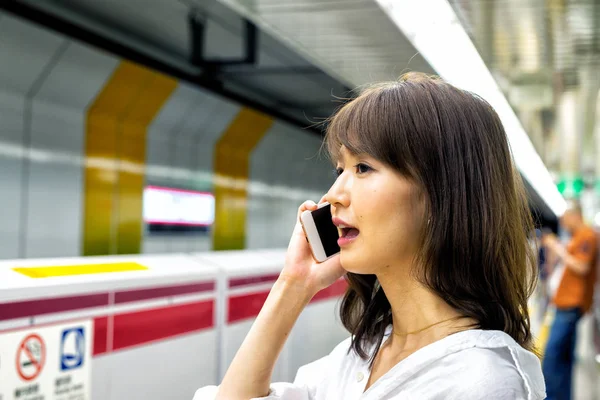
(347, 232)
(347, 236)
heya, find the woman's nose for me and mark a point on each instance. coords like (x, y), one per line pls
(338, 194)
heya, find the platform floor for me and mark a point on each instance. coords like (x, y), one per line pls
(587, 370)
(586, 380)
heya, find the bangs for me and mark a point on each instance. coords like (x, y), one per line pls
(372, 124)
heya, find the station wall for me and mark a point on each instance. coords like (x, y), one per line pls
(82, 133)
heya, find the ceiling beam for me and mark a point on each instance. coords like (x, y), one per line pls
(298, 70)
(81, 33)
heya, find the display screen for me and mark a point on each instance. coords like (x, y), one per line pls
(327, 230)
(169, 206)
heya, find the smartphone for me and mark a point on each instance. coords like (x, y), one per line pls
(321, 233)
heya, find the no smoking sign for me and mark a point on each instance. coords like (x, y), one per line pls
(31, 356)
(49, 362)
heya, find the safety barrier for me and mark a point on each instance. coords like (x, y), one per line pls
(143, 327)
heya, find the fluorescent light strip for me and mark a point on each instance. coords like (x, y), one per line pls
(435, 31)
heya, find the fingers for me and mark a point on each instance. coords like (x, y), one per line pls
(307, 205)
(331, 270)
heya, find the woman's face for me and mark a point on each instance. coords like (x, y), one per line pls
(385, 208)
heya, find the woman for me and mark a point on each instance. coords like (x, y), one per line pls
(439, 267)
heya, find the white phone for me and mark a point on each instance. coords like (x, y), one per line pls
(321, 233)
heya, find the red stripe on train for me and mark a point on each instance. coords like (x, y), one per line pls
(247, 306)
(126, 296)
(31, 308)
(335, 290)
(139, 327)
(100, 336)
(135, 328)
(35, 307)
(251, 280)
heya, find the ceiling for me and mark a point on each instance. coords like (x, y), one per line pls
(541, 52)
(310, 54)
(266, 75)
(353, 40)
(303, 87)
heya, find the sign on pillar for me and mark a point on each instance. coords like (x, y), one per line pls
(49, 362)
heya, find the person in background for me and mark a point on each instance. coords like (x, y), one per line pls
(573, 280)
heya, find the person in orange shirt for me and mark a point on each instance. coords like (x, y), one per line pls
(572, 299)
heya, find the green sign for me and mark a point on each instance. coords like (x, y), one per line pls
(571, 188)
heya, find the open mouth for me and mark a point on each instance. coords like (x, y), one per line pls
(348, 232)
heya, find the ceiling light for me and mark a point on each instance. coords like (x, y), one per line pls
(436, 32)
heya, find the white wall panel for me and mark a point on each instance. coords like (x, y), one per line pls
(291, 163)
(144, 372)
(160, 168)
(280, 171)
(58, 116)
(25, 51)
(55, 182)
(233, 337)
(311, 337)
(210, 120)
(184, 157)
(268, 159)
(101, 375)
(181, 144)
(11, 153)
(319, 174)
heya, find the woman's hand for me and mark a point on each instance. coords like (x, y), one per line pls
(250, 371)
(301, 268)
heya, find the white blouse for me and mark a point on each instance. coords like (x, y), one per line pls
(473, 364)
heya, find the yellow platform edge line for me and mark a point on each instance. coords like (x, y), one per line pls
(85, 269)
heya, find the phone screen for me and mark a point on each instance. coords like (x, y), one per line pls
(328, 232)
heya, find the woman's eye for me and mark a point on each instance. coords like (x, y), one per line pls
(363, 168)
(338, 171)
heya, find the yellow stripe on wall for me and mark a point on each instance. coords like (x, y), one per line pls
(114, 151)
(232, 169)
(133, 153)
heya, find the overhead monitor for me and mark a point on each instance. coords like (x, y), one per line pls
(170, 206)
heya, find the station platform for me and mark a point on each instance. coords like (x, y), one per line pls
(161, 326)
(143, 327)
(587, 368)
(181, 127)
(586, 376)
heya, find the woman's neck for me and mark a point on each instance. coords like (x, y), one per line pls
(419, 316)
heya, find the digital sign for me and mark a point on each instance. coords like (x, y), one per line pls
(169, 206)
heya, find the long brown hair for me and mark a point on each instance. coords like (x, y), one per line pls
(474, 249)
